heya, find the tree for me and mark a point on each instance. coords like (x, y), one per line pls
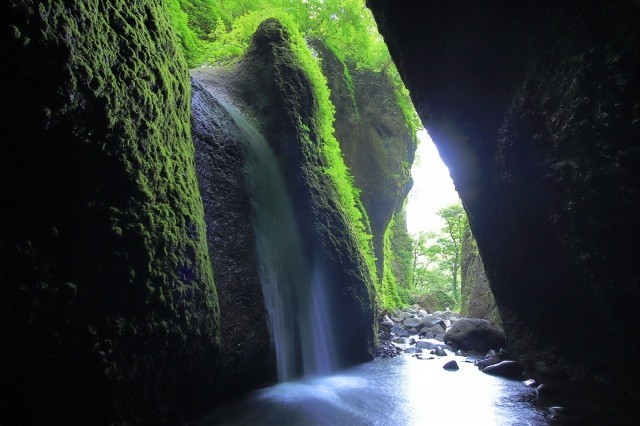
(450, 242)
(437, 257)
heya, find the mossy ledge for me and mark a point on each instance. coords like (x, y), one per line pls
(107, 301)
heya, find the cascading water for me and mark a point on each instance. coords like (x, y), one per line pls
(294, 295)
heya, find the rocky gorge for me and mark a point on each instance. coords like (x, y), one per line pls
(148, 273)
(134, 259)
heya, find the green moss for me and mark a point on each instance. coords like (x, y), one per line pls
(395, 288)
(101, 96)
(401, 246)
(322, 120)
(213, 31)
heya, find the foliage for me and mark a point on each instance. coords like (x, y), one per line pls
(401, 246)
(437, 258)
(219, 31)
(398, 264)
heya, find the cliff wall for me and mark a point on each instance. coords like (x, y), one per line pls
(108, 310)
(534, 106)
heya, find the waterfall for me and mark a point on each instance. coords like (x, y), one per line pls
(294, 293)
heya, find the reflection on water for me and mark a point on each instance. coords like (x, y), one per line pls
(395, 391)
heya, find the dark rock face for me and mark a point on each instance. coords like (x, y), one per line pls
(476, 295)
(248, 359)
(473, 334)
(534, 106)
(108, 311)
(274, 87)
(376, 142)
(508, 369)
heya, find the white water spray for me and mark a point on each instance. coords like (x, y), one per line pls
(294, 296)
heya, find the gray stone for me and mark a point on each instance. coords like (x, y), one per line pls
(440, 351)
(507, 369)
(399, 331)
(487, 361)
(429, 320)
(384, 335)
(403, 315)
(412, 322)
(401, 340)
(386, 322)
(426, 345)
(451, 366)
(413, 351)
(437, 328)
(475, 334)
(427, 334)
(440, 337)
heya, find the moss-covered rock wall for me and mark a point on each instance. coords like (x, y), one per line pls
(108, 310)
(375, 139)
(476, 298)
(275, 86)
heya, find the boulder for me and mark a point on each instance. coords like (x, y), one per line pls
(507, 369)
(426, 345)
(413, 322)
(399, 331)
(413, 351)
(401, 340)
(385, 322)
(422, 313)
(403, 315)
(451, 366)
(384, 335)
(427, 334)
(487, 361)
(437, 328)
(411, 330)
(475, 334)
(430, 345)
(429, 320)
(439, 351)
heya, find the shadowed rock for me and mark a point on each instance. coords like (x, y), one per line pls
(473, 334)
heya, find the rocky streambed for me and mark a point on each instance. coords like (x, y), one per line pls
(448, 340)
(426, 336)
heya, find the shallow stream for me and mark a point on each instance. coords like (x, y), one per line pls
(389, 391)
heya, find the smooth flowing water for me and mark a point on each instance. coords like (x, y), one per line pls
(293, 291)
(392, 391)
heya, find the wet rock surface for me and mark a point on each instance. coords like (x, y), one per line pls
(475, 334)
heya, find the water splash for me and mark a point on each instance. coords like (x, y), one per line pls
(294, 296)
